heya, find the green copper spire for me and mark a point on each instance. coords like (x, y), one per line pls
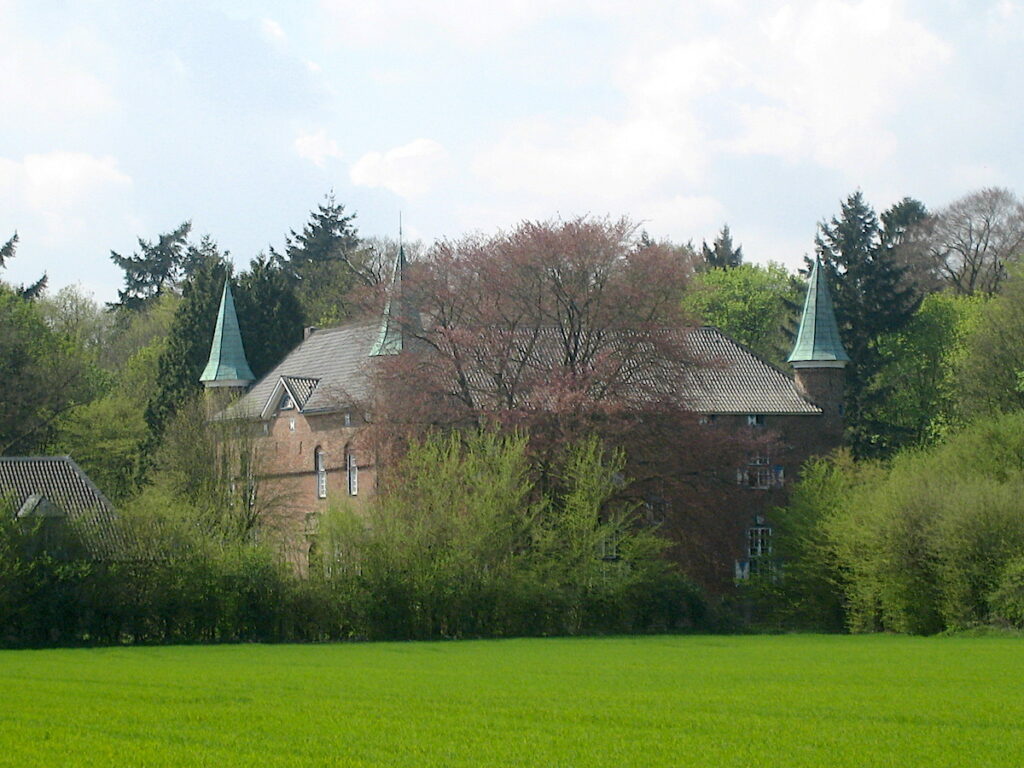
(397, 311)
(817, 342)
(227, 366)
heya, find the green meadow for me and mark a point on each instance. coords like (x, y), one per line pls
(795, 700)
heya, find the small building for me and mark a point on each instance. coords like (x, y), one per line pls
(54, 490)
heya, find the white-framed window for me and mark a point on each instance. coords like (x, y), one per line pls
(348, 419)
(320, 466)
(291, 425)
(755, 420)
(353, 474)
(759, 541)
(286, 403)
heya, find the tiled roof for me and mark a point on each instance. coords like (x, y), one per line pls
(336, 360)
(333, 366)
(301, 388)
(42, 485)
(735, 380)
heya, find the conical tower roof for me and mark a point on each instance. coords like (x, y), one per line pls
(399, 313)
(227, 366)
(817, 341)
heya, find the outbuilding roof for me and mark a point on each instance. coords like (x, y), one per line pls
(55, 486)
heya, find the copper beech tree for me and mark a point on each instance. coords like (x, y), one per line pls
(563, 329)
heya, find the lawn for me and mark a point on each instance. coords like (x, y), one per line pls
(654, 701)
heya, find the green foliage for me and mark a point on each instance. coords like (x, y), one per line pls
(29, 292)
(722, 254)
(461, 547)
(755, 305)
(704, 702)
(990, 375)
(1007, 599)
(42, 375)
(269, 314)
(915, 397)
(322, 262)
(919, 546)
(154, 269)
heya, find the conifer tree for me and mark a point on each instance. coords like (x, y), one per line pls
(722, 254)
(33, 291)
(269, 314)
(154, 268)
(871, 298)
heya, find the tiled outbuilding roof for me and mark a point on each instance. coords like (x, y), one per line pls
(53, 486)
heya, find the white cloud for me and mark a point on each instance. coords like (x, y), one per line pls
(62, 190)
(408, 170)
(317, 147)
(272, 30)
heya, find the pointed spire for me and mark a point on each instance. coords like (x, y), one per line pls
(399, 312)
(817, 342)
(227, 366)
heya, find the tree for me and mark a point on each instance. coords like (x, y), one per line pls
(721, 254)
(154, 268)
(269, 314)
(871, 298)
(973, 240)
(755, 305)
(42, 375)
(991, 374)
(32, 291)
(904, 233)
(565, 329)
(325, 261)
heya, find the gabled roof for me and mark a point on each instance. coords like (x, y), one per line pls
(734, 380)
(55, 486)
(227, 366)
(337, 360)
(818, 339)
(334, 364)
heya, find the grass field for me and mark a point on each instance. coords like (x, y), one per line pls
(656, 701)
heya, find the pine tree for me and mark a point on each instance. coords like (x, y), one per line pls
(155, 268)
(722, 254)
(324, 262)
(871, 298)
(269, 314)
(33, 291)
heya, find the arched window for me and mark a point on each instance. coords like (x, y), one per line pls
(320, 466)
(352, 468)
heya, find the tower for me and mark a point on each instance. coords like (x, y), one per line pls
(818, 358)
(400, 313)
(227, 370)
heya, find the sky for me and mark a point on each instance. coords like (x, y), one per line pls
(120, 120)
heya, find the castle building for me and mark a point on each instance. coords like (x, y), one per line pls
(310, 413)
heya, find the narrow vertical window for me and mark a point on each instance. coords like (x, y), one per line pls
(320, 465)
(353, 475)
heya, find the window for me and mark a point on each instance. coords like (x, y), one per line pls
(759, 541)
(755, 420)
(348, 419)
(320, 465)
(759, 473)
(709, 418)
(291, 425)
(286, 403)
(353, 475)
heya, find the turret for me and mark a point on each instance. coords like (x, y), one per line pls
(400, 314)
(227, 368)
(818, 358)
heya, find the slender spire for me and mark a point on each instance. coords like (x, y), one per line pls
(399, 313)
(227, 366)
(817, 342)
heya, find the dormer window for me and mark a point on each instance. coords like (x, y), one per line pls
(286, 403)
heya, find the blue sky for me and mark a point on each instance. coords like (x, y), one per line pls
(122, 119)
